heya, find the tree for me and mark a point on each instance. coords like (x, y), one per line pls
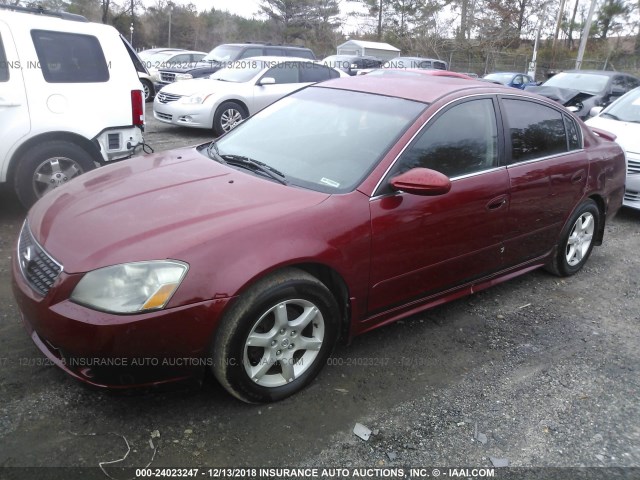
(290, 15)
(609, 12)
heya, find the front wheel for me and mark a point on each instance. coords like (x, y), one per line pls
(227, 116)
(48, 165)
(147, 88)
(577, 240)
(276, 338)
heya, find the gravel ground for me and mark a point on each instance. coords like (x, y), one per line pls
(537, 372)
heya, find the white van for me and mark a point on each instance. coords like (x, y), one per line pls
(70, 98)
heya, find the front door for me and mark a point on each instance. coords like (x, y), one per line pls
(424, 245)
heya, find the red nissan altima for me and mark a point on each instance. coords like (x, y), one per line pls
(336, 210)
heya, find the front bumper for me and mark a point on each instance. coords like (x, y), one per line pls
(117, 351)
(632, 191)
(185, 115)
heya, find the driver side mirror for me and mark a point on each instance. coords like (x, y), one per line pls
(267, 81)
(421, 181)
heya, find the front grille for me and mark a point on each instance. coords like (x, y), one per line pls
(167, 77)
(163, 116)
(167, 97)
(36, 265)
(633, 166)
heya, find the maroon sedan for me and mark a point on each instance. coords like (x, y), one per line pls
(336, 210)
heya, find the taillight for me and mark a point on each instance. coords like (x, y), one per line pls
(137, 108)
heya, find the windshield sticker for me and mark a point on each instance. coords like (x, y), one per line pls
(331, 183)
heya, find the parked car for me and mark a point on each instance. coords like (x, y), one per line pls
(338, 209)
(352, 64)
(622, 118)
(224, 55)
(169, 58)
(70, 98)
(512, 79)
(233, 93)
(581, 90)
(416, 62)
(417, 72)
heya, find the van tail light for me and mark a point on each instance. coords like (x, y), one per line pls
(137, 108)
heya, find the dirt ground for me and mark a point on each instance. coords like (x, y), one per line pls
(537, 372)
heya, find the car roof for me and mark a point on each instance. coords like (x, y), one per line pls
(299, 47)
(411, 88)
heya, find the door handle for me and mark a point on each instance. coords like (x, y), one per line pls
(497, 203)
(577, 177)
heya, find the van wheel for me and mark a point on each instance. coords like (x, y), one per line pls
(276, 337)
(46, 166)
(227, 116)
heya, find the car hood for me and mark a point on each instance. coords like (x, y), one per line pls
(627, 133)
(156, 207)
(560, 95)
(199, 85)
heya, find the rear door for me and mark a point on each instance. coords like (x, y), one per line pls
(14, 110)
(548, 172)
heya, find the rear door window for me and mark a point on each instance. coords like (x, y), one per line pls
(4, 65)
(312, 72)
(536, 131)
(70, 57)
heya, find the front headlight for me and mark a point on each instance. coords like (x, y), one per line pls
(183, 76)
(196, 98)
(130, 287)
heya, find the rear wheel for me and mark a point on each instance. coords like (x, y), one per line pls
(276, 338)
(48, 165)
(227, 116)
(577, 240)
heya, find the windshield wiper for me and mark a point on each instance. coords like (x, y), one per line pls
(255, 165)
(245, 162)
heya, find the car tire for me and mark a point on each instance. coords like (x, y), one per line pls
(48, 165)
(227, 116)
(148, 90)
(576, 241)
(254, 352)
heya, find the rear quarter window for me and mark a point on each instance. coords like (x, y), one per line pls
(301, 54)
(70, 57)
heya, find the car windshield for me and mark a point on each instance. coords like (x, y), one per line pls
(499, 77)
(323, 139)
(626, 109)
(222, 53)
(585, 82)
(239, 71)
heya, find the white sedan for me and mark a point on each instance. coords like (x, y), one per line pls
(622, 118)
(232, 94)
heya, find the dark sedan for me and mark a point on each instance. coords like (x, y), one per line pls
(581, 90)
(336, 210)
